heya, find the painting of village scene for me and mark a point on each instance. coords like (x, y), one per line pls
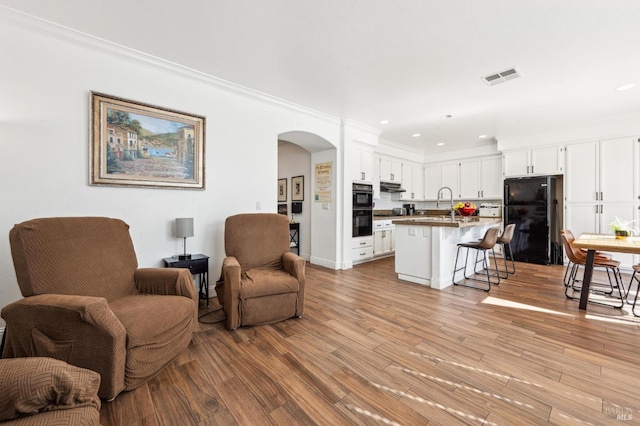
(142, 145)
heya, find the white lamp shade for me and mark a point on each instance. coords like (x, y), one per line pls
(184, 227)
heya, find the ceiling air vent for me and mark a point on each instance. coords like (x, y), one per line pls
(501, 77)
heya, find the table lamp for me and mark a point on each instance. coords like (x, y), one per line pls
(184, 229)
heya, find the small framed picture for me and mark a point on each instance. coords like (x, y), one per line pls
(282, 190)
(282, 209)
(297, 188)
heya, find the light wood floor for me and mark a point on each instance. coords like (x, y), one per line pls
(375, 350)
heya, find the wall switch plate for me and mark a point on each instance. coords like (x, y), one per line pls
(258, 205)
(325, 206)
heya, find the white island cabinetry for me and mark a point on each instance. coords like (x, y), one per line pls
(426, 248)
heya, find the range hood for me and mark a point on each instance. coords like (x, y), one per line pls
(391, 187)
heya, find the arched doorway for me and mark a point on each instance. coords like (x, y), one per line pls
(298, 154)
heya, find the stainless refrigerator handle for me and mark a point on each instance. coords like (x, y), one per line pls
(596, 195)
(596, 209)
(601, 197)
(600, 208)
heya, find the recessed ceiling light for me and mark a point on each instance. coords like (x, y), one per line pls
(384, 121)
(440, 144)
(625, 87)
(482, 136)
(416, 135)
(447, 116)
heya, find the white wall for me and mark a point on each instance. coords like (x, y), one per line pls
(44, 135)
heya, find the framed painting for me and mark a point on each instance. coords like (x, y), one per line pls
(282, 190)
(297, 188)
(136, 144)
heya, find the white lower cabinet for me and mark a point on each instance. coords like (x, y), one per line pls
(361, 249)
(383, 238)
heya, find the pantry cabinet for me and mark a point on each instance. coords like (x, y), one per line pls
(601, 183)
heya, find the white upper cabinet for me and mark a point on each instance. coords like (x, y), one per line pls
(481, 178)
(534, 162)
(491, 177)
(432, 179)
(450, 177)
(390, 170)
(412, 181)
(362, 164)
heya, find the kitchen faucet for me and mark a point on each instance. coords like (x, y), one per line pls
(453, 213)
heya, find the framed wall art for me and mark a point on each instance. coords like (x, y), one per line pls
(136, 144)
(282, 190)
(297, 188)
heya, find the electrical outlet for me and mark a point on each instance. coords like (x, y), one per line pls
(258, 205)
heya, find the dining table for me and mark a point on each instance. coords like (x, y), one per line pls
(601, 242)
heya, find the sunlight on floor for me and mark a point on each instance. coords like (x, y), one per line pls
(623, 316)
(372, 415)
(477, 370)
(458, 385)
(433, 404)
(509, 304)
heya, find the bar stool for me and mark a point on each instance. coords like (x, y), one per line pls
(636, 269)
(505, 241)
(488, 242)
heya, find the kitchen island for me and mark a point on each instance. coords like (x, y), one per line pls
(426, 247)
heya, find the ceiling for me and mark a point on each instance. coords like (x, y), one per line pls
(411, 62)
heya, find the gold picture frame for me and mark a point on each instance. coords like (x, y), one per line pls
(137, 144)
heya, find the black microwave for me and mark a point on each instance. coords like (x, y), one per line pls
(362, 196)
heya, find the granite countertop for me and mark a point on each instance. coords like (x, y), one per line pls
(446, 222)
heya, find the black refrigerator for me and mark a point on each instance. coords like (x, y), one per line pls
(531, 204)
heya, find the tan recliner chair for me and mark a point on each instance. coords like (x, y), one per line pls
(47, 391)
(263, 282)
(87, 303)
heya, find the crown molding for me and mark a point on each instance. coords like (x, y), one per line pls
(53, 30)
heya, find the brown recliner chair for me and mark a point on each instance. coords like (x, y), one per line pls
(87, 303)
(263, 282)
(47, 391)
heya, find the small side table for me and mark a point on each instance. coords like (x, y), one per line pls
(198, 265)
(294, 237)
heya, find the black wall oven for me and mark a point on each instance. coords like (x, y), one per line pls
(362, 210)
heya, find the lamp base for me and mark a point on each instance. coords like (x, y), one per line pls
(184, 256)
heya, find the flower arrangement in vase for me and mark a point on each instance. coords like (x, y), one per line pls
(623, 228)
